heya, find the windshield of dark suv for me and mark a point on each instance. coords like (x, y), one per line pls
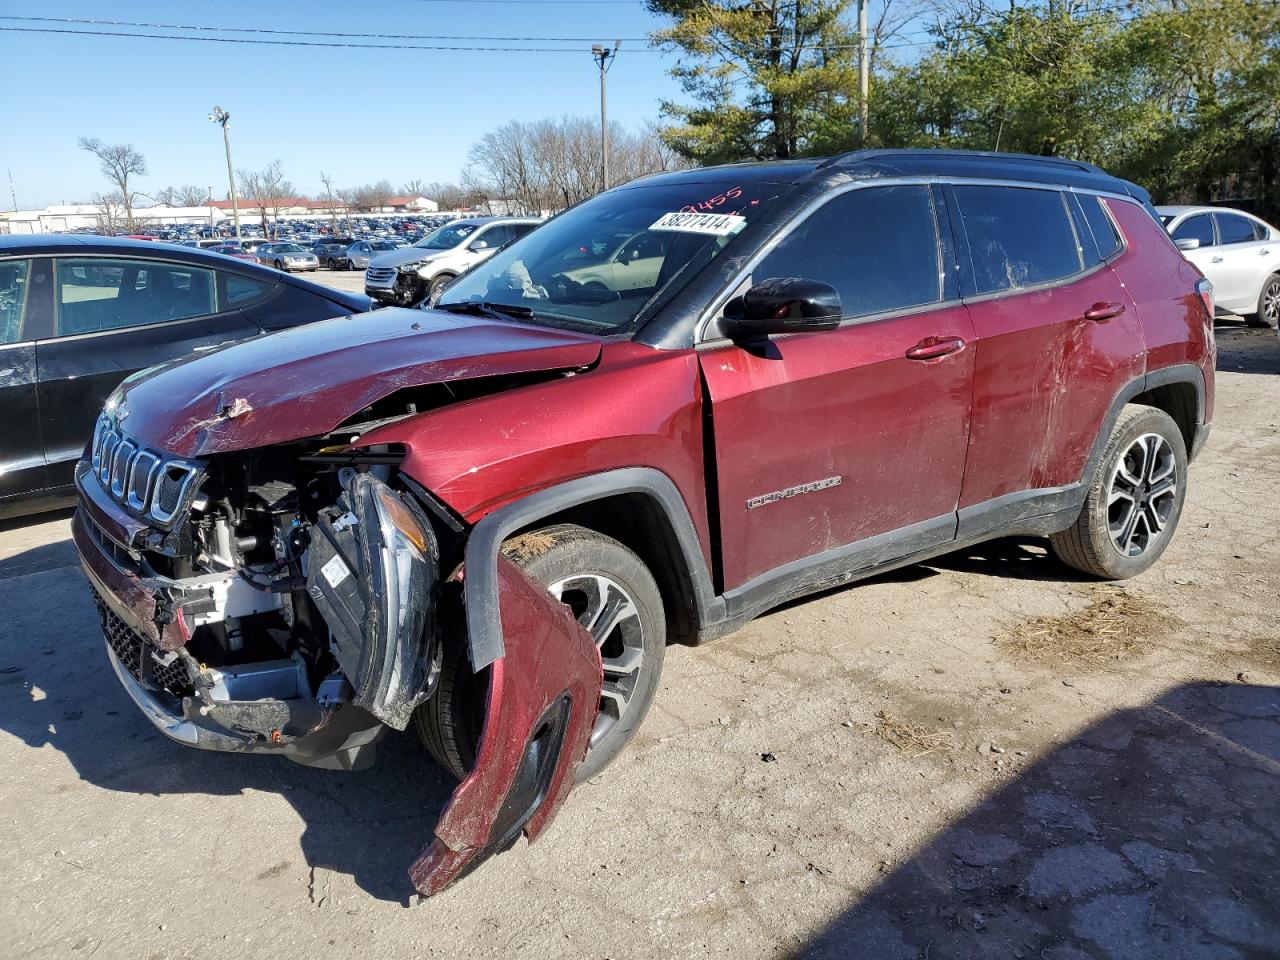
(446, 238)
(595, 267)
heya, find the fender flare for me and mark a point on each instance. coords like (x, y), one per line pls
(484, 623)
(1175, 373)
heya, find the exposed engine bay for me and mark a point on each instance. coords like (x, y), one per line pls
(303, 583)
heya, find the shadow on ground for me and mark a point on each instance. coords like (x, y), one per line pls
(56, 690)
(1153, 834)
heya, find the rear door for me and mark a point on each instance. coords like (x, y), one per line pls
(1244, 262)
(826, 439)
(23, 284)
(112, 317)
(1057, 336)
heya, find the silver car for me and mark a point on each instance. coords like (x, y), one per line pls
(360, 252)
(287, 257)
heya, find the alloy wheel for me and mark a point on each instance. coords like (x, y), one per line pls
(1271, 302)
(610, 615)
(1142, 494)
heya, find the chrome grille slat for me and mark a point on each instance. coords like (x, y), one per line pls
(140, 479)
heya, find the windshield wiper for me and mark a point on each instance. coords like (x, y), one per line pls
(487, 308)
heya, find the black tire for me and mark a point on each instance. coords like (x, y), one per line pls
(279, 265)
(350, 265)
(1091, 544)
(437, 285)
(449, 724)
(1268, 314)
(331, 264)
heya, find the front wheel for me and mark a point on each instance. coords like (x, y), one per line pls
(1268, 314)
(614, 596)
(279, 265)
(1134, 500)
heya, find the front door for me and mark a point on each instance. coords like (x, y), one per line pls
(113, 317)
(848, 442)
(21, 454)
(1245, 262)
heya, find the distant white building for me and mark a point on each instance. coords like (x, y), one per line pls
(62, 218)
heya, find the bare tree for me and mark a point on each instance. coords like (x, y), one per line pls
(331, 200)
(187, 196)
(350, 197)
(109, 213)
(415, 188)
(120, 163)
(269, 189)
(553, 163)
(374, 196)
(449, 196)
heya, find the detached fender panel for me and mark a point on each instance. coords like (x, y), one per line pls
(543, 696)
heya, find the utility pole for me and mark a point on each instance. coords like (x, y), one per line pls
(604, 57)
(221, 116)
(12, 194)
(864, 73)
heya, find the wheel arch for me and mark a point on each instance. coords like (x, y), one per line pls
(1179, 391)
(638, 506)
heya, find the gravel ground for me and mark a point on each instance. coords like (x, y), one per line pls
(927, 765)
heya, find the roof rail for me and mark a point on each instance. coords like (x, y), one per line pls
(857, 156)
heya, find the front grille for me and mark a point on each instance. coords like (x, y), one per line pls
(141, 480)
(380, 275)
(151, 667)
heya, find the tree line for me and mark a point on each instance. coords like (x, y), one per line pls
(1182, 96)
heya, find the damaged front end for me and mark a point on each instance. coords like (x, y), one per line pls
(290, 600)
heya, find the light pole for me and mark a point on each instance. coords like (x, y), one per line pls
(221, 116)
(604, 57)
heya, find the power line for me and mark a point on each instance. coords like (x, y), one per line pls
(306, 33)
(297, 43)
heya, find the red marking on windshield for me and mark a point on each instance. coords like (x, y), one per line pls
(720, 199)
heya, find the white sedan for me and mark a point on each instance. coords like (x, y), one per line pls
(1239, 253)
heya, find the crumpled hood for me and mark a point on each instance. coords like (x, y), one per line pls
(393, 258)
(307, 380)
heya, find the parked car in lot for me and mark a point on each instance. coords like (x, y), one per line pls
(410, 274)
(488, 517)
(360, 252)
(78, 314)
(233, 250)
(332, 251)
(1239, 253)
(287, 257)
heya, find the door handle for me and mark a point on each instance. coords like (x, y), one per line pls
(934, 348)
(1216, 260)
(1103, 311)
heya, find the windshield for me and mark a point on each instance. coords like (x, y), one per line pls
(446, 238)
(288, 248)
(595, 267)
(383, 244)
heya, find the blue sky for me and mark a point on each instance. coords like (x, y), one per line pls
(357, 114)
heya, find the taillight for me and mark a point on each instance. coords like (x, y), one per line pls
(1205, 290)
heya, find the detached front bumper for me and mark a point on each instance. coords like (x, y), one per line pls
(257, 708)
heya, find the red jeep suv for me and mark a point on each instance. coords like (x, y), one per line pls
(672, 407)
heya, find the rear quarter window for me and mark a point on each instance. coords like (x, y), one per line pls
(1097, 232)
(1018, 236)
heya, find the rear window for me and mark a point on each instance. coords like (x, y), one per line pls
(1018, 237)
(1099, 228)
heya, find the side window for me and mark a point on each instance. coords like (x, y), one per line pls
(1100, 227)
(518, 230)
(241, 290)
(1018, 236)
(495, 236)
(13, 298)
(1199, 227)
(1234, 229)
(98, 294)
(849, 244)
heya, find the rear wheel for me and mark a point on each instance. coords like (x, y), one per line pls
(614, 596)
(1268, 314)
(1134, 499)
(436, 287)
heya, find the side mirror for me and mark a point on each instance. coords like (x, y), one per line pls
(1187, 243)
(783, 305)
(475, 246)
